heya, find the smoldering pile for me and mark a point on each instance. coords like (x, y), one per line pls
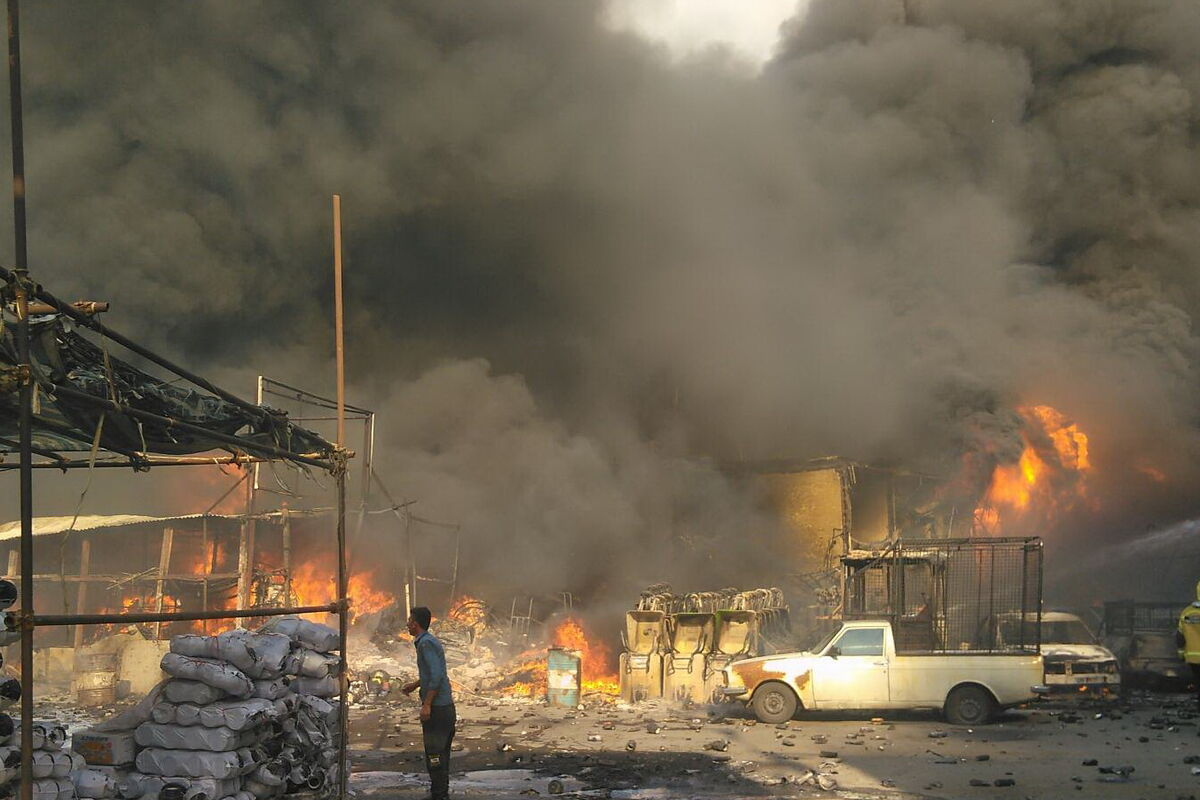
(244, 715)
(476, 645)
(487, 656)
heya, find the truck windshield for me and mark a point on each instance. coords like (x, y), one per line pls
(824, 641)
(1069, 631)
(1066, 632)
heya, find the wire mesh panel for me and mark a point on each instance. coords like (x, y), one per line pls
(1125, 617)
(946, 595)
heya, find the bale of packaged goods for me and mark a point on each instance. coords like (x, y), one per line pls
(53, 772)
(243, 716)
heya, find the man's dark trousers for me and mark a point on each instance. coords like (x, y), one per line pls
(438, 731)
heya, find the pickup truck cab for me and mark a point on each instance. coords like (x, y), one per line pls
(857, 667)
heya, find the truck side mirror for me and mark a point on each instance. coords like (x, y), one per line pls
(834, 651)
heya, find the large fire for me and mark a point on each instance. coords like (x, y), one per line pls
(1049, 478)
(528, 678)
(313, 584)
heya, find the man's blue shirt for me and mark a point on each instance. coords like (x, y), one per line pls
(431, 669)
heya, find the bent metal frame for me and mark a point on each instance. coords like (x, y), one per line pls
(20, 290)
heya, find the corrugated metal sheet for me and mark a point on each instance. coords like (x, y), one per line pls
(45, 526)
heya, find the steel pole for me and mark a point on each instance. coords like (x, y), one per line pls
(343, 604)
(181, 616)
(18, 137)
(25, 399)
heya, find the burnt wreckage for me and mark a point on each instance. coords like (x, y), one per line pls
(79, 386)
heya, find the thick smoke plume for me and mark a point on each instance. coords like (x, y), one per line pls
(920, 215)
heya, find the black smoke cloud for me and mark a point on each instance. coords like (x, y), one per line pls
(918, 216)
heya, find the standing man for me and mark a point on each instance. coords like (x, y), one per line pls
(437, 704)
(1188, 639)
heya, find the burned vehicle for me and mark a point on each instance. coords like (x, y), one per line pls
(1142, 635)
(1075, 661)
(918, 631)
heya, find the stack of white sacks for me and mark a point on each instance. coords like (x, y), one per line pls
(245, 716)
(55, 771)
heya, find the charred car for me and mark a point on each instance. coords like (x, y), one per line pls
(1075, 661)
(1142, 634)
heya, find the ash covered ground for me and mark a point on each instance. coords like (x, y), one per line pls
(1139, 745)
(1145, 745)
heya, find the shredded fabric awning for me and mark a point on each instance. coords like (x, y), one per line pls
(71, 374)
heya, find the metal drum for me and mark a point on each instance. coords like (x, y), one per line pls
(562, 677)
(96, 678)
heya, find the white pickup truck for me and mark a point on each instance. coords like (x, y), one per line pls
(857, 667)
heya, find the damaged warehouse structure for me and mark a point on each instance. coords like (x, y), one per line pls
(134, 564)
(829, 507)
(62, 394)
(121, 416)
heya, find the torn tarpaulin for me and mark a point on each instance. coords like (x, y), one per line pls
(61, 356)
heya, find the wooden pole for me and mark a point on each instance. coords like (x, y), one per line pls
(410, 580)
(164, 564)
(454, 573)
(207, 567)
(338, 320)
(258, 399)
(246, 550)
(85, 568)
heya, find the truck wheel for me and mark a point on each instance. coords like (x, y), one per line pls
(969, 705)
(774, 703)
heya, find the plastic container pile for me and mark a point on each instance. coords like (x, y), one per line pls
(675, 645)
(245, 716)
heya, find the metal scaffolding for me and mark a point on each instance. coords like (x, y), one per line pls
(22, 293)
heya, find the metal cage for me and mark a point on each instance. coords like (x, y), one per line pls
(951, 595)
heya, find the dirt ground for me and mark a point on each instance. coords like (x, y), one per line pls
(1143, 746)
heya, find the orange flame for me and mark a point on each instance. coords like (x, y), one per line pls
(469, 611)
(597, 672)
(365, 597)
(314, 584)
(1049, 478)
(528, 677)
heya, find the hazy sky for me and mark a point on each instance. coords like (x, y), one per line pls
(573, 261)
(685, 26)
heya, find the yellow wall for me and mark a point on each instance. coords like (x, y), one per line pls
(810, 508)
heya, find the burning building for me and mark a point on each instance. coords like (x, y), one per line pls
(828, 506)
(127, 564)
